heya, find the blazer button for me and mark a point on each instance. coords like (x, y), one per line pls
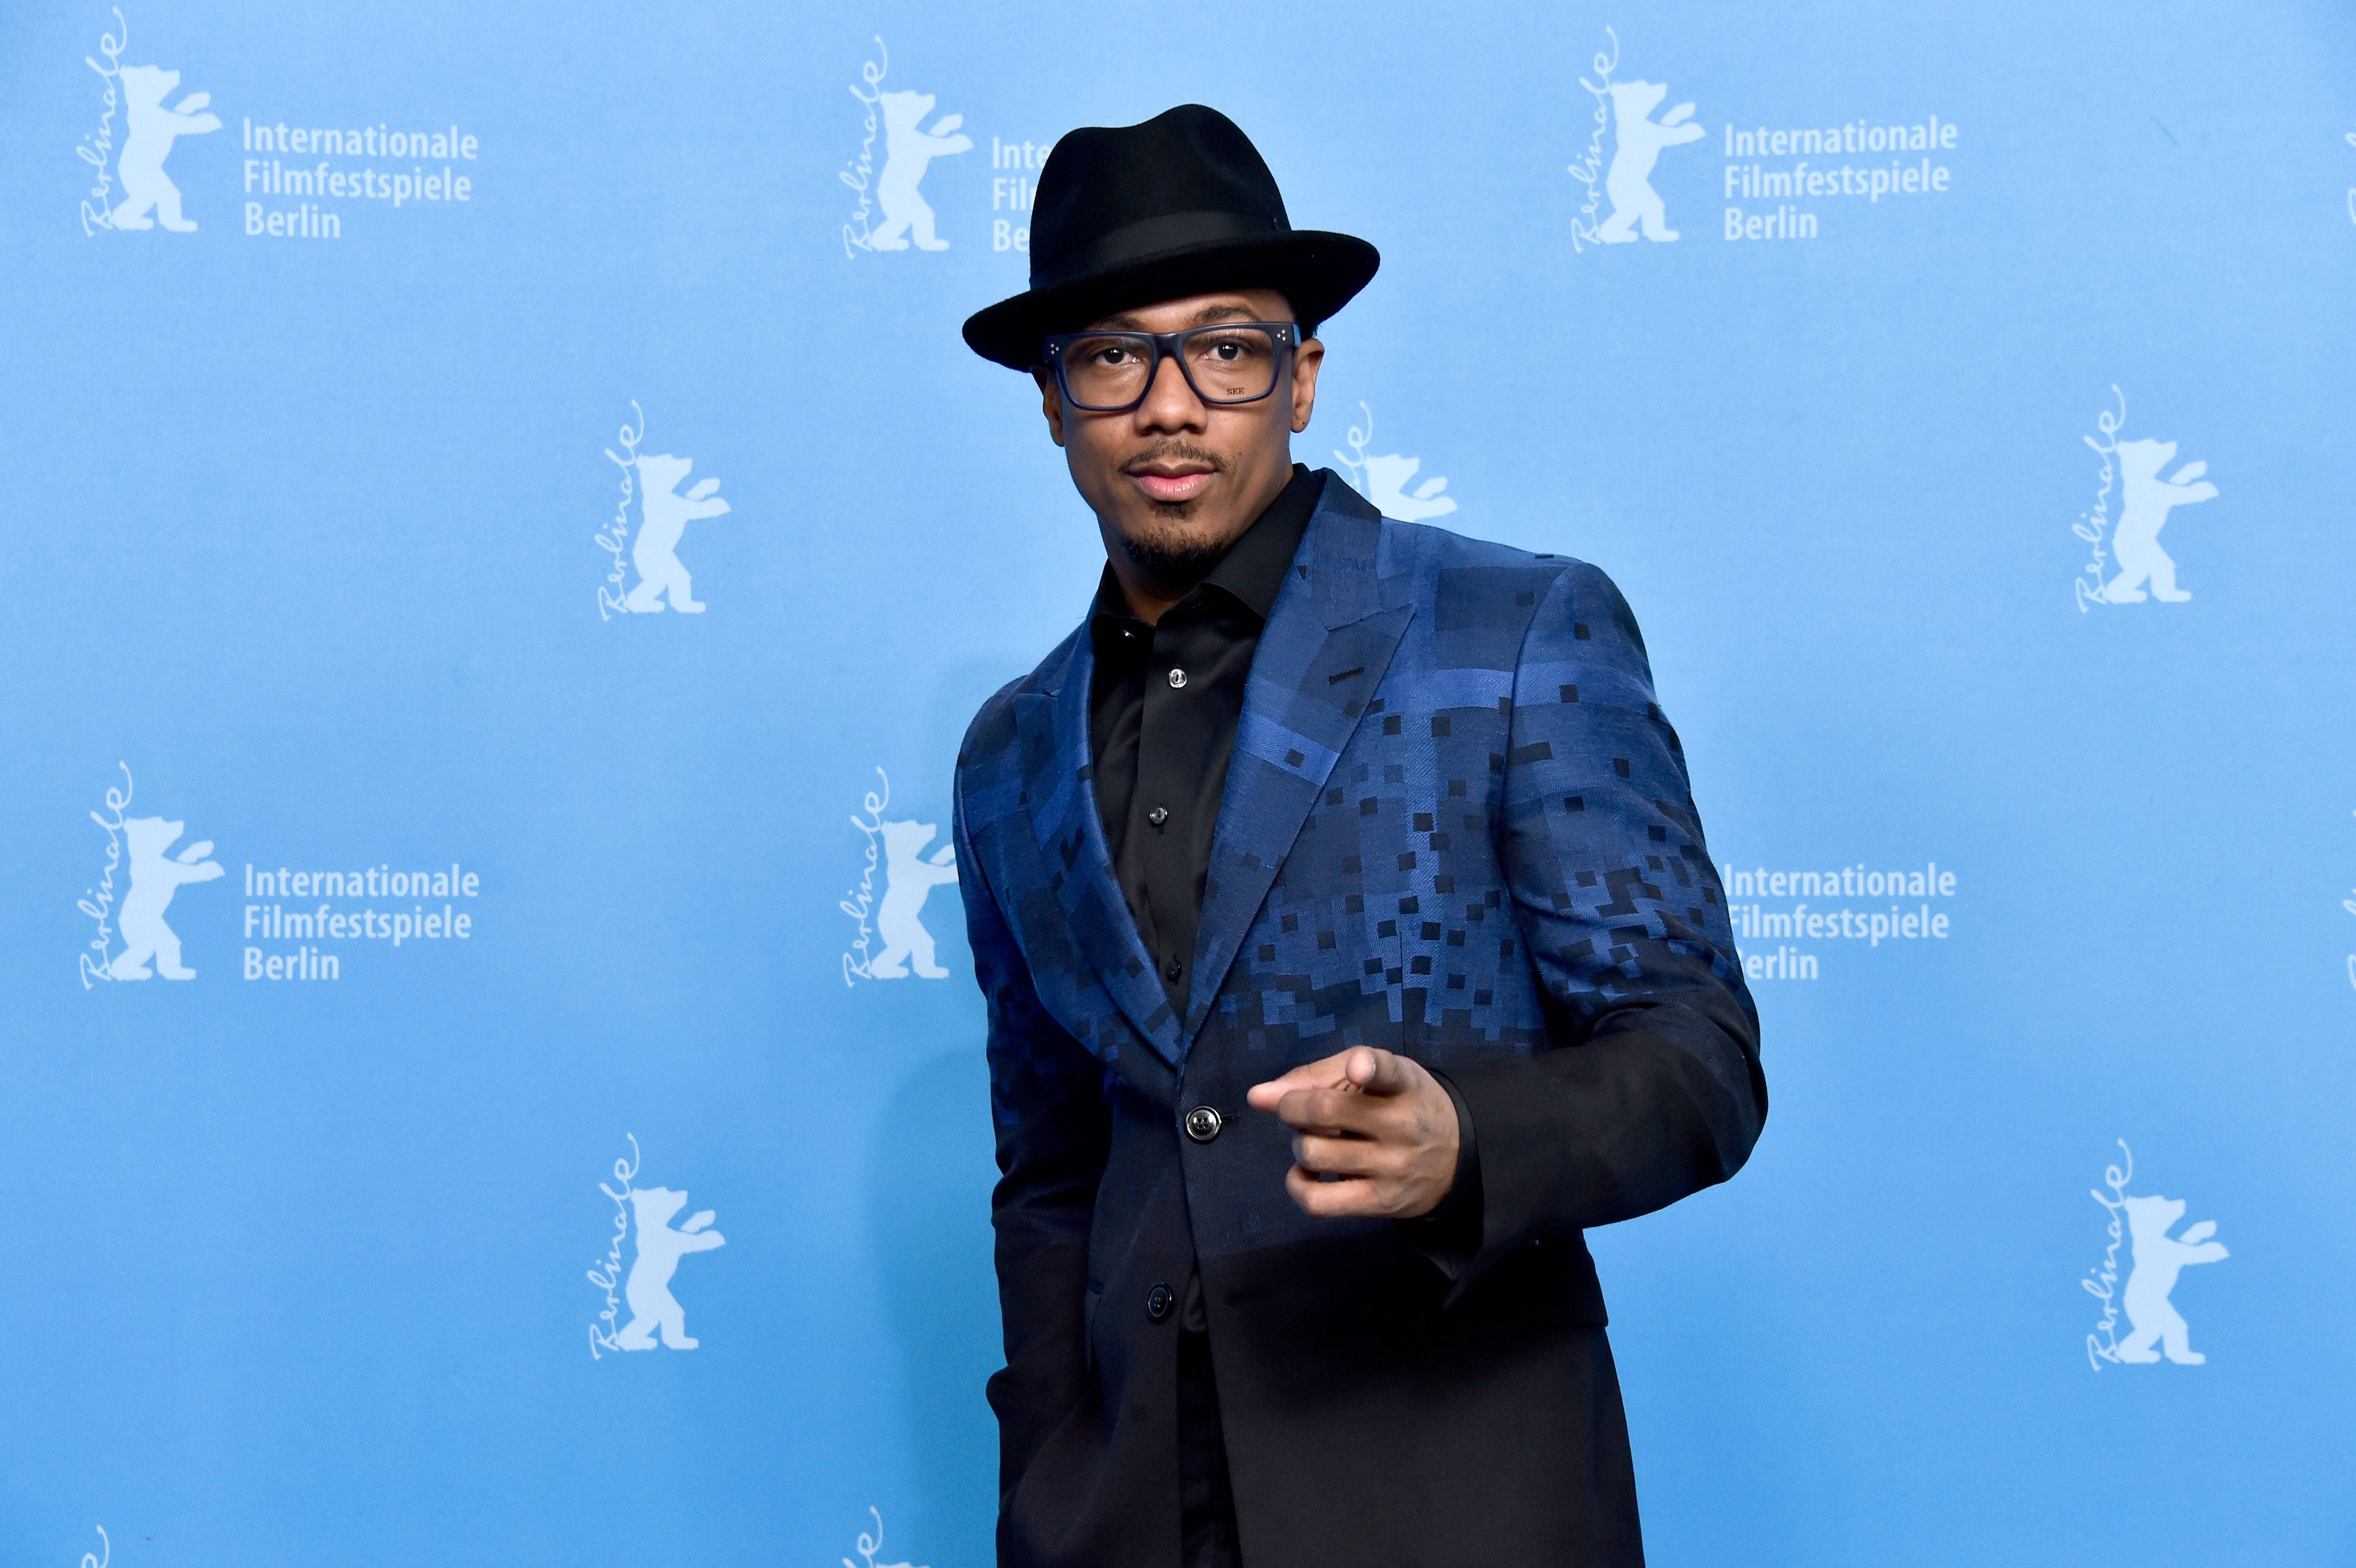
(1203, 1124)
(1158, 1302)
(1171, 970)
(1177, 681)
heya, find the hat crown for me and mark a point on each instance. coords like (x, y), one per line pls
(1181, 205)
(1191, 161)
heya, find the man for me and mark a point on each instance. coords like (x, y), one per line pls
(1349, 941)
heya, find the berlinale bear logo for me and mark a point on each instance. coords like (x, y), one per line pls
(908, 876)
(908, 152)
(664, 515)
(660, 1249)
(2144, 502)
(2158, 1260)
(643, 1214)
(1629, 183)
(150, 131)
(132, 911)
(154, 880)
(1625, 110)
(896, 849)
(890, 207)
(652, 480)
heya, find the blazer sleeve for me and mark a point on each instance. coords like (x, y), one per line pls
(1047, 1109)
(1650, 1086)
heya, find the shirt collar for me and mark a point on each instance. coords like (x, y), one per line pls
(1252, 572)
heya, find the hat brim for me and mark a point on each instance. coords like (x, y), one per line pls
(1317, 271)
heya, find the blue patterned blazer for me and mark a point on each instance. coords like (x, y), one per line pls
(1456, 825)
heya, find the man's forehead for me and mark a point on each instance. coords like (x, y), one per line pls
(1197, 310)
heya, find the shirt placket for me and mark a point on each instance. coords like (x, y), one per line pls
(1170, 745)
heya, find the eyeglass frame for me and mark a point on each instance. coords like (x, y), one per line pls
(1165, 347)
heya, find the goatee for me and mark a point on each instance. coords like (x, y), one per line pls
(1172, 560)
(1164, 550)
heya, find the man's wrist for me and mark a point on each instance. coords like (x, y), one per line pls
(1449, 1235)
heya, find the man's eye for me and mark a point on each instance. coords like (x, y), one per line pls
(1231, 350)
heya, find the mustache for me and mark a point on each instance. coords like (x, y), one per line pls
(1176, 452)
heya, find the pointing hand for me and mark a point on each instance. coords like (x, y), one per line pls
(1373, 1134)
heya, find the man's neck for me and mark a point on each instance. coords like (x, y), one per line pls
(1148, 601)
(1149, 598)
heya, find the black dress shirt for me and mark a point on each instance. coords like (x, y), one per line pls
(1162, 713)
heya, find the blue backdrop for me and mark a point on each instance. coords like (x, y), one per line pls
(555, 1147)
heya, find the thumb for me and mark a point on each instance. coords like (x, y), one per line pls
(1308, 1075)
(1269, 1095)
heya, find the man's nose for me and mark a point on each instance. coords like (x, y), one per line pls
(1169, 403)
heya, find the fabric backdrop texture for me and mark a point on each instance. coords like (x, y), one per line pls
(507, 540)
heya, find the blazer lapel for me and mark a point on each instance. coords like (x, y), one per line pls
(1328, 641)
(1052, 727)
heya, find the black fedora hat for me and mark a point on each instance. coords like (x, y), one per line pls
(1180, 204)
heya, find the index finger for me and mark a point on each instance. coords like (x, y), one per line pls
(1374, 1071)
(1338, 1112)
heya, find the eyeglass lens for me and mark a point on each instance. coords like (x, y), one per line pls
(1224, 364)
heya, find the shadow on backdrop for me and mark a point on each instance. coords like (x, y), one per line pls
(929, 1196)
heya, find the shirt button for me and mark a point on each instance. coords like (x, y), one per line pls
(1177, 679)
(1158, 815)
(1171, 969)
(1158, 1302)
(1203, 1124)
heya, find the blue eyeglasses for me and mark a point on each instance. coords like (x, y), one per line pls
(1111, 372)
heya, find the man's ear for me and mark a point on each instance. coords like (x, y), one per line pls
(1051, 403)
(1307, 360)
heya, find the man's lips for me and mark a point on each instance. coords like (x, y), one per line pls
(1181, 482)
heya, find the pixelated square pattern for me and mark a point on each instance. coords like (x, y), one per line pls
(1452, 791)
